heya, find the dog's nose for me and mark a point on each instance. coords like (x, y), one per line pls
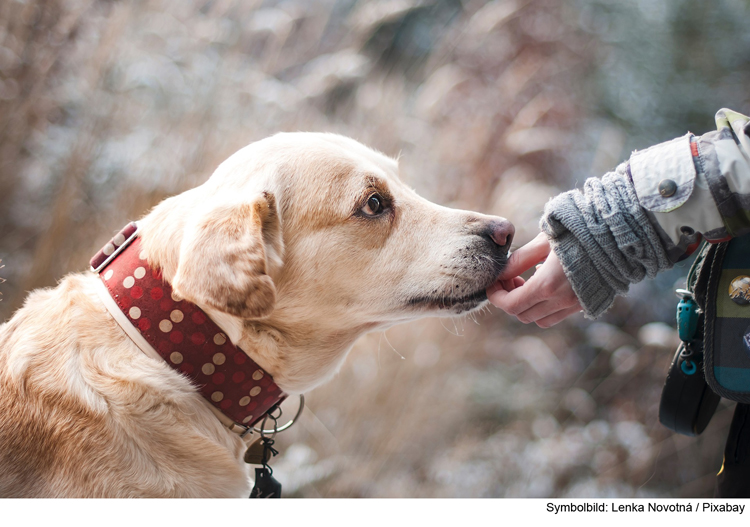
(501, 232)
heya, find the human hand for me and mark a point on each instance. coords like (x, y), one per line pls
(546, 298)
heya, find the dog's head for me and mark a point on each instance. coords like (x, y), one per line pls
(302, 242)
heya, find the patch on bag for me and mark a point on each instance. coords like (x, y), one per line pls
(727, 336)
(739, 290)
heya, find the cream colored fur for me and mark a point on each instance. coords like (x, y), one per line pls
(278, 248)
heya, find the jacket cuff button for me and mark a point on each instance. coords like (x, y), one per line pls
(667, 188)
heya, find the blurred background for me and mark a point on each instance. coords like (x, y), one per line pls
(107, 107)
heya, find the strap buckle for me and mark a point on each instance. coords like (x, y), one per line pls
(114, 247)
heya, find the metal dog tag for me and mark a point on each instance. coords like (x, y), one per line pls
(257, 453)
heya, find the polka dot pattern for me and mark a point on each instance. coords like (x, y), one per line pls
(187, 339)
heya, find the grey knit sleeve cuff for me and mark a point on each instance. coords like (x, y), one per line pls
(604, 240)
(594, 293)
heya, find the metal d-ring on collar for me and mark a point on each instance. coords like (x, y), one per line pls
(286, 425)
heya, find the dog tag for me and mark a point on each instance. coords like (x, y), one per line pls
(257, 453)
(265, 485)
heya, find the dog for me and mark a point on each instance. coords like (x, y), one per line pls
(297, 245)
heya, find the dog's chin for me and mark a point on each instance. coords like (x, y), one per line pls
(448, 304)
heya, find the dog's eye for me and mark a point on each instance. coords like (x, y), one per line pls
(374, 205)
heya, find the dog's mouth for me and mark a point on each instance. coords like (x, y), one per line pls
(454, 298)
(455, 304)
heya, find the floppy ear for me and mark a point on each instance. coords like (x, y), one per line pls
(224, 258)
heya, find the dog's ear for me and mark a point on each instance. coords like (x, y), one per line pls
(225, 257)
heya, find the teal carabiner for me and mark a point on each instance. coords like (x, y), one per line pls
(687, 315)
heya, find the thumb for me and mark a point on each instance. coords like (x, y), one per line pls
(526, 257)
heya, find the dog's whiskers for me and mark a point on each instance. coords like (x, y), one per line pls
(448, 330)
(391, 345)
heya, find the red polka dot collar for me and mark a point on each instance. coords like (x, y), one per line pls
(181, 334)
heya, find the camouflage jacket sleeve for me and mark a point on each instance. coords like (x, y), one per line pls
(694, 186)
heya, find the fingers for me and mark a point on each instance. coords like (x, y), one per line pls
(556, 318)
(546, 298)
(512, 283)
(526, 257)
(539, 311)
(521, 260)
(548, 307)
(516, 301)
(507, 285)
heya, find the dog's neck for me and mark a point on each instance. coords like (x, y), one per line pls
(280, 347)
(302, 359)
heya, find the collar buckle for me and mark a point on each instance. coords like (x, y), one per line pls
(114, 247)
